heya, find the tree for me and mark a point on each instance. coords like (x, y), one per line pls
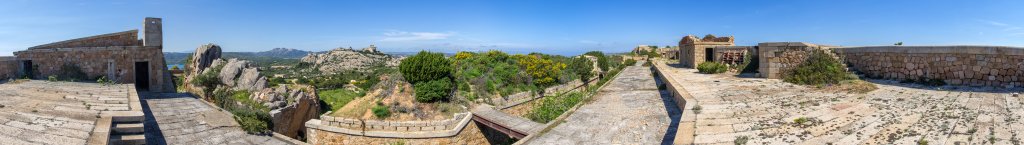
(583, 68)
(425, 66)
(544, 72)
(430, 75)
(899, 44)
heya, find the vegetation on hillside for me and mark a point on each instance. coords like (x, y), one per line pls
(429, 73)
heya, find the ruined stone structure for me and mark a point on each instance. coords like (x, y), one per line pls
(778, 57)
(957, 65)
(669, 52)
(120, 57)
(693, 51)
(8, 67)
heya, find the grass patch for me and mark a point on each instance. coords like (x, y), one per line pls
(709, 67)
(553, 106)
(337, 98)
(381, 111)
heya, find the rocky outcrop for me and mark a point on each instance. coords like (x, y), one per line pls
(290, 107)
(203, 58)
(289, 117)
(345, 59)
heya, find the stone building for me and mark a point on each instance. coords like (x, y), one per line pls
(121, 57)
(693, 51)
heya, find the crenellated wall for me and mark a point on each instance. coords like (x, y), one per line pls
(957, 65)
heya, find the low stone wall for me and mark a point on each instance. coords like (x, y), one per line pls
(687, 124)
(8, 67)
(114, 62)
(400, 126)
(778, 57)
(956, 65)
(334, 128)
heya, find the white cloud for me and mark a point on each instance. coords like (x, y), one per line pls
(994, 23)
(415, 36)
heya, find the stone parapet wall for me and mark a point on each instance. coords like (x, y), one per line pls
(8, 67)
(114, 62)
(400, 126)
(775, 58)
(956, 65)
(126, 38)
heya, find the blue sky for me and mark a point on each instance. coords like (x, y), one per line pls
(548, 26)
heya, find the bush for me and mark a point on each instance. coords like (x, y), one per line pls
(433, 90)
(628, 62)
(741, 140)
(551, 107)
(252, 121)
(819, 68)
(710, 67)
(381, 111)
(425, 66)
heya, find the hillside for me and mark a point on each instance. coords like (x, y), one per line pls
(273, 56)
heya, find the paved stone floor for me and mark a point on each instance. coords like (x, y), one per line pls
(764, 111)
(630, 110)
(40, 112)
(182, 119)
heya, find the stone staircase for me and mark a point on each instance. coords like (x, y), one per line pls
(127, 130)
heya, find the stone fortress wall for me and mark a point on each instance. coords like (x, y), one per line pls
(334, 130)
(8, 67)
(957, 65)
(112, 55)
(997, 66)
(402, 126)
(776, 58)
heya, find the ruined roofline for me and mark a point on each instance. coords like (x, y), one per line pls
(709, 39)
(131, 40)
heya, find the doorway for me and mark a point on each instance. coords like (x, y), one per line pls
(26, 68)
(709, 54)
(142, 75)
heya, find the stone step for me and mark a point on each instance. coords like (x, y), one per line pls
(128, 128)
(131, 139)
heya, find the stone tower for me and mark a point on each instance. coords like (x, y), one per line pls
(152, 31)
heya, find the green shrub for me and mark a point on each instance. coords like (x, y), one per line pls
(252, 121)
(431, 91)
(381, 111)
(819, 68)
(629, 62)
(710, 67)
(741, 140)
(425, 66)
(51, 78)
(553, 106)
(208, 80)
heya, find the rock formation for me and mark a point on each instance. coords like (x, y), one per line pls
(290, 107)
(344, 59)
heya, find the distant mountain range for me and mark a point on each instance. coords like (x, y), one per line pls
(282, 53)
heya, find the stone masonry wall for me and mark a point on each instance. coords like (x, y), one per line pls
(401, 126)
(956, 65)
(8, 67)
(115, 62)
(778, 57)
(126, 38)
